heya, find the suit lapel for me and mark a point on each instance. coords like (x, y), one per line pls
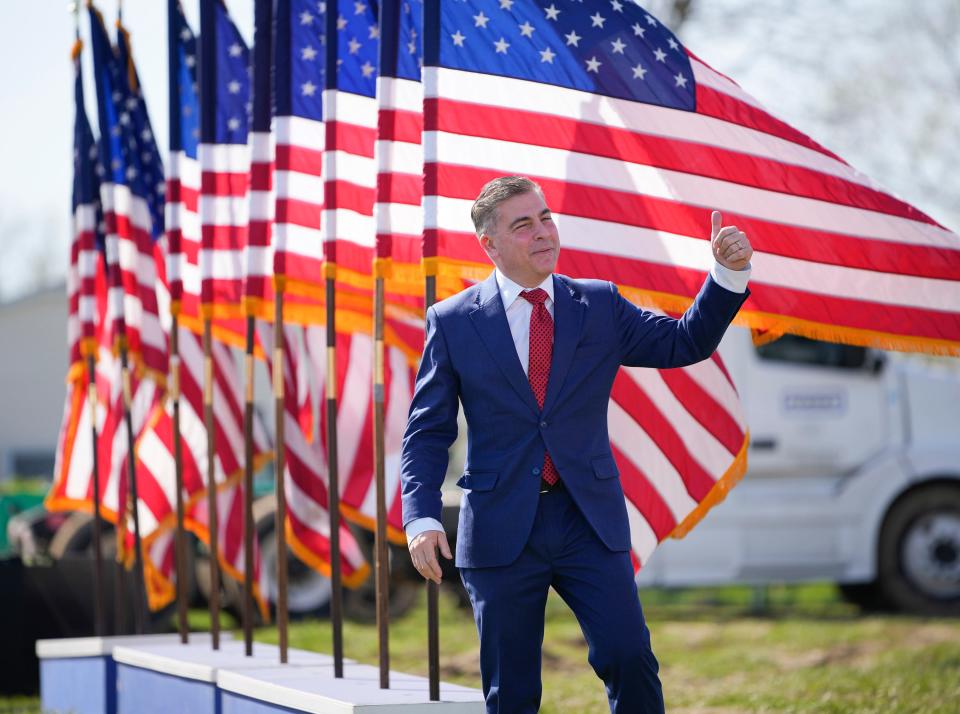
(567, 319)
(490, 319)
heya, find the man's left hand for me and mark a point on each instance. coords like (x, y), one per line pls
(731, 247)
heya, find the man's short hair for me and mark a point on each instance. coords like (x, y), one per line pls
(484, 210)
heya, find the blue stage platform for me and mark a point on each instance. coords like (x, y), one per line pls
(159, 675)
(79, 674)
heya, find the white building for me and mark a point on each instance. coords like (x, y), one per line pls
(32, 387)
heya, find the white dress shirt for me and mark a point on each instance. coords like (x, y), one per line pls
(519, 310)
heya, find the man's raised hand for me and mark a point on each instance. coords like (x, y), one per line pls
(423, 553)
(731, 247)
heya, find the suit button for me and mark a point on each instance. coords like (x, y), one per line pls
(543, 425)
(536, 471)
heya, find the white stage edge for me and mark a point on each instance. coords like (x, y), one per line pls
(314, 689)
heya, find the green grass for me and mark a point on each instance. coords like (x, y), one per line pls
(721, 650)
(805, 651)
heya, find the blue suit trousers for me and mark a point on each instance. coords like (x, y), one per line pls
(597, 583)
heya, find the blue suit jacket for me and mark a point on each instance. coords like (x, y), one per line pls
(470, 356)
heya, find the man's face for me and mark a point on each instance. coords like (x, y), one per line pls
(524, 243)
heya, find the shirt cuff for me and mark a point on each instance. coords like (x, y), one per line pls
(733, 280)
(422, 525)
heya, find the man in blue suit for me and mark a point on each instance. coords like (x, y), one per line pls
(532, 356)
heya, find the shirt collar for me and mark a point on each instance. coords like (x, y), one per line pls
(510, 291)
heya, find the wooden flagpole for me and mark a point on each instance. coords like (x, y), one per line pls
(381, 563)
(98, 593)
(139, 589)
(336, 580)
(207, 51)
(433, 590)
(431, 19)
(180, 542)
(90, 350)
(331, 34)
(212, 525)
(280, 515)
(248, 497)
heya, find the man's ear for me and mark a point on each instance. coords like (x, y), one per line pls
(486, 242)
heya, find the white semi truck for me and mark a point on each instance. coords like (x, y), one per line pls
(854, 477)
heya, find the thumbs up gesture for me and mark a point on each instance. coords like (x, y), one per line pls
(731, 248)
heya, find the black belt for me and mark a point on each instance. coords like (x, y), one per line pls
(550, 488)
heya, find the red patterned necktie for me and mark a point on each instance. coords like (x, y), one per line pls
(541, 351)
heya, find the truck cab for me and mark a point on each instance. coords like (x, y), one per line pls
(854, 477)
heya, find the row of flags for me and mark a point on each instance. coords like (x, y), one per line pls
(348, 145)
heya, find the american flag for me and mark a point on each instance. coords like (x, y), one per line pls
(230, 537)
(404, 338)
(305, 474)
(72, 479)
(73, 476)
(131, 178)
(350, 113)
(635, 140)
(258, 252)
(224, 156)
(128, 185)
(299, 134)
(156, 458)
(86, 260)
(680, 439)
(183, 169)
(399, 152)
(146, 146)
(678, 435)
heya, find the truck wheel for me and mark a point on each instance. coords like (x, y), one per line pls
(75, 536)
(231, 592)
(405, 586)
(867, 596)
(920, 552)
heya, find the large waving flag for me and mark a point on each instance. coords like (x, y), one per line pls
(635, 140)
(680, 439)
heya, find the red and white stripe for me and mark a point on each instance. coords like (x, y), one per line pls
(298, 244)
(355, 421)
(305, 474)
(350, 180)
(224, 208)
(230, 506)
(399, 161)
(73, 478)
(155, 446)
(632, 186)
(82, 284)
(133, 264)
(160, 574)
(676, 434)
(183, 232)
(258, 251)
